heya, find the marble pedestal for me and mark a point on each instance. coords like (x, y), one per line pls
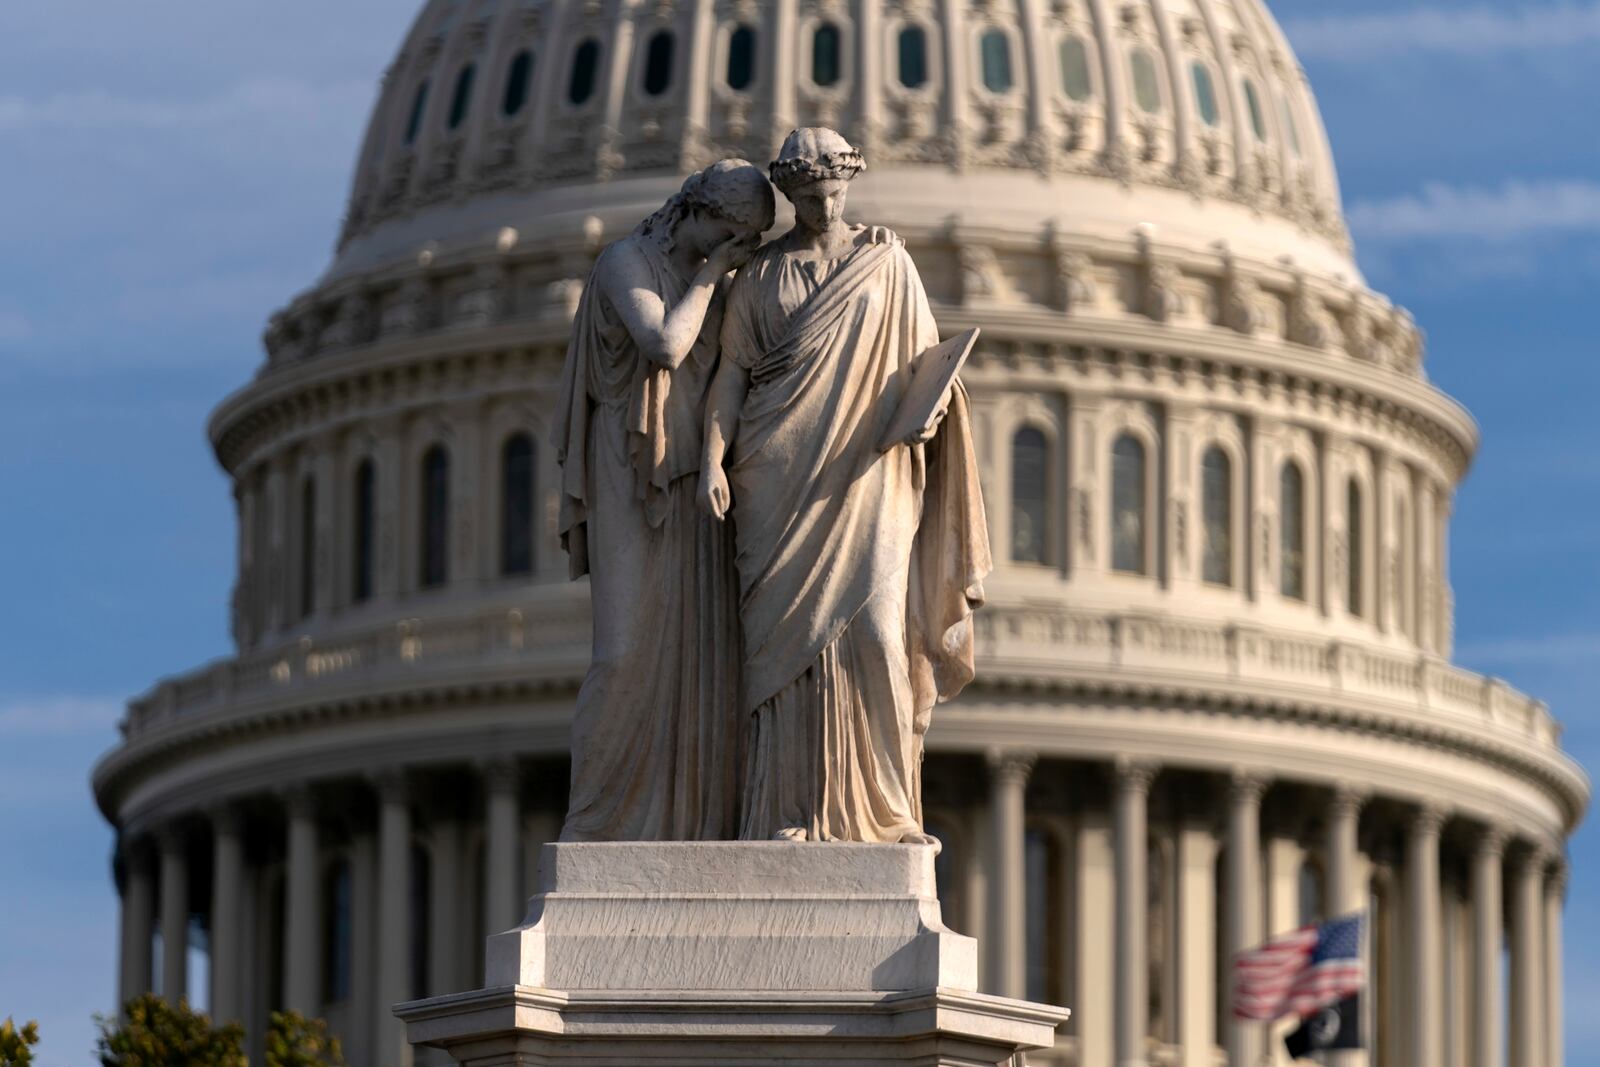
(732, 953)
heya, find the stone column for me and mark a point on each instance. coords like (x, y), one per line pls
(1344, 893)
(1092, 1008)
(302, 925)
(445, 916)
(1488, 940)
(174, 915)
(501, 849)
(394, 919)
(363, 947)
(1555, 895)
(1422, 889)
(138, 922)
(1132, 842)
(227, 915)
(1527, 964)
(1244, 899)
(1008, 780)
(1197, 942)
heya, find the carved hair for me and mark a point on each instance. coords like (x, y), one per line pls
(732, 190)
(815, 154)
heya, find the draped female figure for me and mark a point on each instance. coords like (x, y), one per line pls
(859, 569)
(657, 738)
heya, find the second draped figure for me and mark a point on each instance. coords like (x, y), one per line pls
(778, 604)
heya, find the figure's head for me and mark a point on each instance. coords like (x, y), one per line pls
(814, 169)
(728, 199)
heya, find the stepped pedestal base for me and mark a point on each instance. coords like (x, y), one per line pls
(732, 953)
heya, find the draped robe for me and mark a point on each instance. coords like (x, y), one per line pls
(858, 569)
(657, 738)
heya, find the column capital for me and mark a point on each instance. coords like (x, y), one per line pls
(391, 785)
(1136, 776)
(1010, 767)
(1428, 820)
(501, 774)
(1246, 787)
(226, 818)
(1556, 881)
(1347, 800)
(1492, 839)
(299, 800)
(170, 837)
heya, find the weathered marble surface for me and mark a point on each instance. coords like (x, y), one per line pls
(735, 916)
(733, 953)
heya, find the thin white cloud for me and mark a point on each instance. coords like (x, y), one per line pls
(277, 99)
(58, 716)
(1514, 210)
(1470, 31)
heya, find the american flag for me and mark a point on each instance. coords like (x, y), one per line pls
(1300, 973)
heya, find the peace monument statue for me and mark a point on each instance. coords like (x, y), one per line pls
(859, 561)
(772, 485)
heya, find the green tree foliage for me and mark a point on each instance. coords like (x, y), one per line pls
(294, 1041)
(16, 1045)
(158, 1034)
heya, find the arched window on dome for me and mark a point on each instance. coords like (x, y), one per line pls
(461, 102)
(1291, 129)
(741, 72)
(1355, 536)
(995, 49)
(1128, 525)
(1205, 94)
(1216, 517)
(434, 564)
(519, 78)
(516, 505)
(363, 562)
(1030, 496)
(337, 934)
(1292, 531)
(419, 108)
(658, 62)
(1146, 80)
(1042, 915)
(911, 48)
(827, 55)
(585, 72)
(1076, 80)
(308, 546)
(1258, 118)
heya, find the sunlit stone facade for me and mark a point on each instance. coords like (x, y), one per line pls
(1215, 696)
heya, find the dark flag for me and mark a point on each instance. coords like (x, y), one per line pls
(1336, 1026)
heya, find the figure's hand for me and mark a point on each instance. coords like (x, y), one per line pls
(922, 437)
(734, 253)
(882, 235)
(714, 495)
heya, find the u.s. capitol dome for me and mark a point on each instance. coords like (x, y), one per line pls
(1215, 695)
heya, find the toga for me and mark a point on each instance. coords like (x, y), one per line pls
(858, 570)
(657, 740)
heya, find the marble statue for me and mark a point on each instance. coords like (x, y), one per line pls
(657, 737)
(859, 568)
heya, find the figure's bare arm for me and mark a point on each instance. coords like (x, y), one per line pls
(665, 334)
(724, 401)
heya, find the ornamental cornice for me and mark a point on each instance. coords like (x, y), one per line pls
(417, 369)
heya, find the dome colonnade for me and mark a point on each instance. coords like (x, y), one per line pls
(1215, 695)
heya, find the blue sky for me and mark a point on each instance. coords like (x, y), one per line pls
(172, 171)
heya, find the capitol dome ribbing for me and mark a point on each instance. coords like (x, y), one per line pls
(1215, 694)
